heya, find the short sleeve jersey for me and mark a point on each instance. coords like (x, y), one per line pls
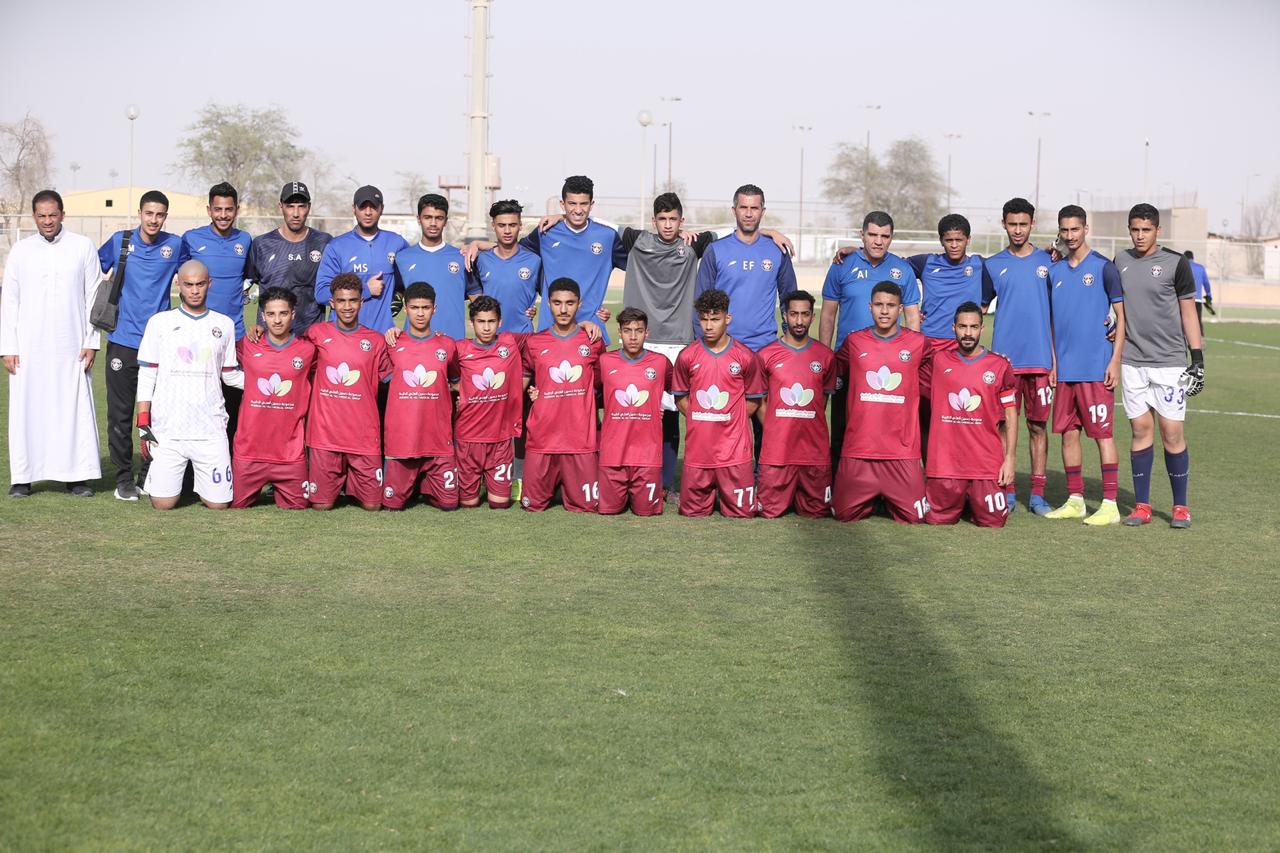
(190, 354)
(490, 390)
(366, 258)
(277, 394)
(631, 433)
(884, 377)
(419, 418)
(945, 287)
(226, 258)
(344, 396)
(277, 262)
(1082, 299)
(587, 256)
(797, 383)
(513, 282)
(849, 283)
(967, 397)
(148, 279)
(718, 385)
(1153, 287)
(442, 268)
(754, 275)
(1022, 313)
(563, 418)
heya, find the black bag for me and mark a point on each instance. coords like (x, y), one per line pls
(106, 305)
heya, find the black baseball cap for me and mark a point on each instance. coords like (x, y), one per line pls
(295, 189)
(368, 195)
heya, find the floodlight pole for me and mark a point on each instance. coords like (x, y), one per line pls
(131, 112)
(476, 227)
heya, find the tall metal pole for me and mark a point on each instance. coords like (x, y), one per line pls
(803, 130)
(866, 176)
(131, 112)
(1039, 143)
(476, 227)
(950, 138)
(670, 185)
(645, 118)
(1146, 168)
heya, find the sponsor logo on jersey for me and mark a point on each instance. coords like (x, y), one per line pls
(596, 248)
(342, 375)
(454, 267)
(239, 250)
(366, 346)
(1042, 271)
(712, 398)
(524, 273)
(631, 396)
(441, 355)
(566, 372)
(815, 366)
(217, 333)
(735, 368)
(963, 401)
(503, 352)
(187, 355)
(968, 271)
(1088, 279)
(489, 379)
(1156, 270)
(766, 264)
(584, 350)
(117, 364)
(166, 252)
(314, 255)
(895, 273)
(904, 355)
(419, 377)
(297, 363)
(796, 395)
(989, 377)
(274, 386)
(883, 379)
(650, 373)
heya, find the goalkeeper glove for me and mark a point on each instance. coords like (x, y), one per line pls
(1208, 303)
(1193, 377)
(146, 437)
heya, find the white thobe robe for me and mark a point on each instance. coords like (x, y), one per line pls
(49, 288)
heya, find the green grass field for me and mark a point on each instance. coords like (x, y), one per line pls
(498, 680)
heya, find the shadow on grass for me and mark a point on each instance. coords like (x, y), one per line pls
(937, 754)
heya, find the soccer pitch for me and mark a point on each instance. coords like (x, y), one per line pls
(266, 679)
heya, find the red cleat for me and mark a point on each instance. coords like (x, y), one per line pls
(1181, 518)
(1141, 515)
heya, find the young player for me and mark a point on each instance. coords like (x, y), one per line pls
(224, 249)
(798, 374)
(948, 280)
(369, 253)
(1086, 288)
(1159, 291)
(435, 261)
(185, 356)
(490, 382)
(418, 432)
(344, 435)
(270, 440)
(633, 380)
(561, 444)
(970, 459)
(885, 368)
(1020, 279)
(717, 387)
(509, 272)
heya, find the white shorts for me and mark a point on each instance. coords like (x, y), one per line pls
(670, 351)
(1159, 388)
(209, 458)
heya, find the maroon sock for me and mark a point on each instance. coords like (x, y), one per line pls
(1037, 485)
(1075, 481)
(1110, 481)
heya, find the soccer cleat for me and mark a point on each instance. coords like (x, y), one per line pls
(1106, 514)
(20, 490)
(1181, 518)
(126, 491)
(1039, 505)
(1073, 508)
(1011, 500)
(517, 489)
(1141, 515)
(80, 489)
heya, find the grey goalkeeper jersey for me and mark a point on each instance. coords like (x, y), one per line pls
(1153, 288)
(659, 281)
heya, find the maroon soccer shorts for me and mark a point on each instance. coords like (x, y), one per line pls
(637, 485)
(1033, 395)
(574, 473)
(289, 478)
(436, 477)
(1084, 405)
(947, 498)
(361, 473)
(860, 481)
(492, 461)
(735, 485)
(807, 486)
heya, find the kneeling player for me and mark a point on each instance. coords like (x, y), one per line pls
(799, 375)
(186, 355)
(886, 366)
(490, 381)
(632, 380)
(717, 388)
(269, 441)
(418, 432)
(972, 390)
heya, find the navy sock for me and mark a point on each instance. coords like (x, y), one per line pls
(1179, 466)
(1140, 461)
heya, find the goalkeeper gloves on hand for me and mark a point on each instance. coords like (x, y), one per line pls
(1193, 377)
(146, 437)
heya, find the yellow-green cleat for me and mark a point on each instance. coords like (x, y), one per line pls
(1073, 508)
(1108, 513)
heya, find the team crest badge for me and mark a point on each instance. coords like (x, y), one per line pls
(815, 366)
(389, 492)
(989, 377)
(217, 333)
(315, 256)
(968, 271)
(650, 373)
(366, 346)
(391, 257)
(735, 368)
(239, 248)
(895, 274)
(1088, 279)
(904, 355)
(839, 382)
(596, 248)
(1042, 271)
(166, 252)
(767, 264)
(117, 364)
(524, 273)
(453, 267)
(584, 350)
(1156, 270)
(297, 363)
(680, 251)
(441, 355)
(503, 352)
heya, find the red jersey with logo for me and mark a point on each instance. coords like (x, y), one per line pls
(631, 433)
(718, 384)
(883, 376)
(563, 418)
(967, 400)
(490, 390)
(277, 393)
(344, 395)
(797, 383)
(419, 417)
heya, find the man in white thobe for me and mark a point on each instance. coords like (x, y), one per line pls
(48, 347)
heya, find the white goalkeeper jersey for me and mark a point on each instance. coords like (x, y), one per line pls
(190, 355)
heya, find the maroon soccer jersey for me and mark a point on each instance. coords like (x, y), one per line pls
(884, 382)
(490, 389)
(277, 393)
(419, 418)
(797, 383)
(717, 432)
(563, 418)
(967, 399)
(632, 430)
(344, 396)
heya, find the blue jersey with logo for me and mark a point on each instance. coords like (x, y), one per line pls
(1201, 276)
(148, 280)
(442, 268)
(226, 258)
(945, 287)
(1082, 298)
(513, 282)
(587, 256)
(1022, 314)
(754, 275)
(366, 258)
(850, 283)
